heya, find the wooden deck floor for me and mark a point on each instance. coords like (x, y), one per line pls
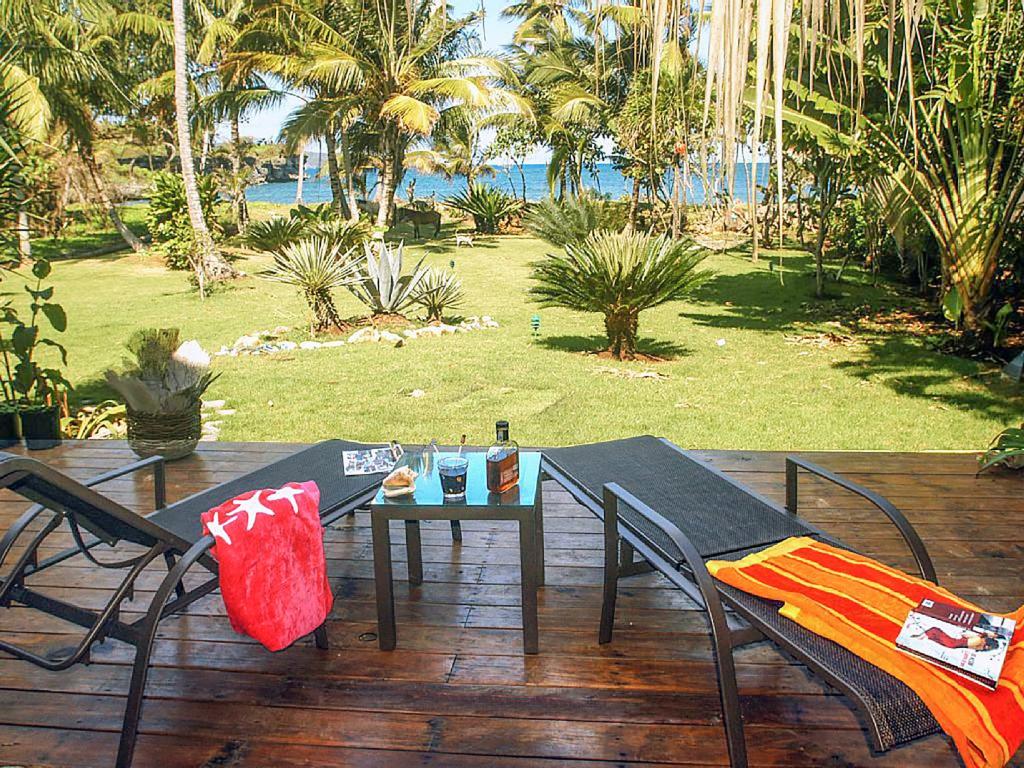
(458, 692)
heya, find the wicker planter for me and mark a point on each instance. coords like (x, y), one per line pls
(171, 435)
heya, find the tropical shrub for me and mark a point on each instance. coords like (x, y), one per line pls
(273, 234)
(441, 293)
(316, 267)
(619, 274)
(380, 284)
(1007, 449)
(343, 233)
(168, 217)
(571, 219)
(490, 207)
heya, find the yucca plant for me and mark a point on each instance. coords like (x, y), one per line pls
(490, 207)
(317, 267)
(441, 292)
(274, 234)
(1007, 449)
(619, 274)
(380, 284)
(571, 219)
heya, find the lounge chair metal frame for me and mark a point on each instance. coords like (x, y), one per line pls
(179, 555)
(622, 540)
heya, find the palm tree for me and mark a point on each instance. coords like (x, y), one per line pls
(210, 264)
(59, 68)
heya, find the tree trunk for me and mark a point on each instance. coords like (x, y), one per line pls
(24, 236)
(209, 263)
(302, 173)
(333, 175)
(819, 257)
(522, 178)
(676, 217)
(204, 152)
(621, 326)
(389, 176)
(130, 237)
(350, 184)
(634, 205)
(239, 203)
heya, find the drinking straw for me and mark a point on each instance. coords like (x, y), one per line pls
(462, 443)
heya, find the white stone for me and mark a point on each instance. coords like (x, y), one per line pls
(417, 393)
(364, 334)
(226, 412)
(446, 329)
(281, 329)
(336, 343)
(213, 403)
(247, 342)
(287, 346)
(720, 342)
(410, 333)
(222, 351)
(429, 330)
(391, 338)
(310, 345)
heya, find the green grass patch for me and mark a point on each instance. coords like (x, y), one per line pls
(743, 369)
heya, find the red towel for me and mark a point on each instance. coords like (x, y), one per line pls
(273, 573)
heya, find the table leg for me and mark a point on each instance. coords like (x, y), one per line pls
(528, 577)
(456, 531)
(414, 552)
(538, 511)
(382, 577)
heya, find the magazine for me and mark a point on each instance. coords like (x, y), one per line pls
(371, 461)
(968, 643)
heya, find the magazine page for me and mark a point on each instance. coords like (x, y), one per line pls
(975, 643)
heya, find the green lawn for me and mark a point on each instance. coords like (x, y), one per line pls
(757, 390)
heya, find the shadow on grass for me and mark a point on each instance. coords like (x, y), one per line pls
(913, 371)
(655, 347)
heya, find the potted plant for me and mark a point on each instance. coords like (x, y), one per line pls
(34, 392)
(1007, 449)
(163, 385)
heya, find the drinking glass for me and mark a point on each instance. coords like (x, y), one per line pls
(452, 471)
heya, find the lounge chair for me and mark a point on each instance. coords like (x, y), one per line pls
(677, 512)
(171, 533)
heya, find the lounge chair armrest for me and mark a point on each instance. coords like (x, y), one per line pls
(917, 548)
(159, 465)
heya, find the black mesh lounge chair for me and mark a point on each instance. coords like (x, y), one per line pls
(676, 513)
(172, 533)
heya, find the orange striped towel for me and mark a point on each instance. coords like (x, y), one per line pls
(862, 604)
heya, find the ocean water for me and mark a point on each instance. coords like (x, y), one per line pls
(606, 180)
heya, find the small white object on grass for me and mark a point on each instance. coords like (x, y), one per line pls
(720, 342)
(417, 393)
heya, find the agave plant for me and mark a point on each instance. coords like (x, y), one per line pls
(1007, 449)
(490, 207)
(441, 292)
(317, 267)
(619, 274)
(572, 219)
(274, 234)
(380, 284)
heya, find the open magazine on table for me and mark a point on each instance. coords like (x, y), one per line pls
(968, 643)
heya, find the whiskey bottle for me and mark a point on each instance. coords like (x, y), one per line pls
(502, 461)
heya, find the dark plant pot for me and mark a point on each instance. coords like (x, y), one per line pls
(8, 428)
(41, 427)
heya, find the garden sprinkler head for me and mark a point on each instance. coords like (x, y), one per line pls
(535, 324)
(451, 264)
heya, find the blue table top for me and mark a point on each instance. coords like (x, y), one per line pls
(428, 483)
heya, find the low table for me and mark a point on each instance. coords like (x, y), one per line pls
(521, 503)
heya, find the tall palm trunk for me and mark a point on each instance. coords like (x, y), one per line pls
(388, 176)
(634, 203)
(350, 184)
(240, 205)
(333, 175)
(89, 160)
(24, 236)
(209, 264)
(302, 173)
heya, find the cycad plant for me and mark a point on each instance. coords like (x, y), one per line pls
(380, 284)
(441, 293)
(490, 207)
(619, 274)
(571, 219)
(274, 234)
(317, 267)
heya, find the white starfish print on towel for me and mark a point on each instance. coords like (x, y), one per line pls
(216, 527)
(288, 492)
(252, 507)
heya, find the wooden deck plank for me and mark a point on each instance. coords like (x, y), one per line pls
(458, 691)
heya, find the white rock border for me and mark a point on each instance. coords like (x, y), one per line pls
(267, 343)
